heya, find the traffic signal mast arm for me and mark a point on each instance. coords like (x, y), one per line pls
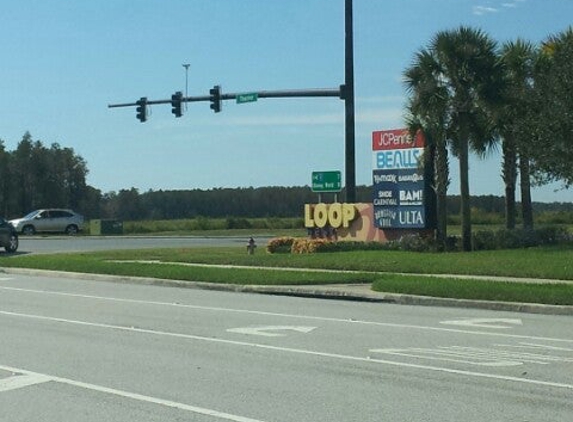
(287, 93)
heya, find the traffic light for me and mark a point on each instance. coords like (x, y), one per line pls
(176, 102)
(216, 101)
(141, 109)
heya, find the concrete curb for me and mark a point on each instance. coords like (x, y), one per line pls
(353, 292)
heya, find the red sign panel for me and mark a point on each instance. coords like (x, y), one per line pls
(396, 139)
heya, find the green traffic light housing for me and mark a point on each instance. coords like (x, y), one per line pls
(216, 100)
(141, 109)
(176, 103)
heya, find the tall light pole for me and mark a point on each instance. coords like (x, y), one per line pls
(348, 95)
(186, 66)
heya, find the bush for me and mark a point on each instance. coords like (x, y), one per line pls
(519, 238)
(414, 243)
(237, 223)
(303, 245)
(280, 245)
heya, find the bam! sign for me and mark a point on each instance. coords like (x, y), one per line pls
(398, 180)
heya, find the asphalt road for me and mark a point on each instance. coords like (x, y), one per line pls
(56, 244)
(77, 350)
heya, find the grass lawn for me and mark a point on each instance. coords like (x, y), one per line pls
(378, 267)
(553, 294)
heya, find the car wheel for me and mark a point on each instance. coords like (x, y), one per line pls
(13, 245)
(28, 230)
(72, 229)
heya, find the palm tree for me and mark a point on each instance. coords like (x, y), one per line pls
(518, 60)
(466, 81)
(427, 111)
(551, 151)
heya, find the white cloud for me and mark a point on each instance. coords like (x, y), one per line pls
(489, 7)
(375, 115)
(396, 99)
(482, 10)
(512, 4)
(369, 110)
(288, 120)
(389, 116)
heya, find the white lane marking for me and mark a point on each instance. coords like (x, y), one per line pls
(121, 393)
(277, 314)
(270, 330)
(501, 323)
(297, 351)
(20, 381)
(435, 354)
(6, 278)
(475, 355)
(536, 346)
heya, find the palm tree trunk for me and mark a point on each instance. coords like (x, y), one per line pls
(442, 182)
(465, 196)
(509, 178)
(525, 184)
(464, 181)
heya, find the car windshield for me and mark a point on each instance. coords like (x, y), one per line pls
(31, 215)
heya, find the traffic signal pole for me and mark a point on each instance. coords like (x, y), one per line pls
(344, 92)
(348, 96)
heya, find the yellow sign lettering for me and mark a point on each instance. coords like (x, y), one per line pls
(334, 215)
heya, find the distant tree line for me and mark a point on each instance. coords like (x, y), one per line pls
(273, 201)
(35, 176)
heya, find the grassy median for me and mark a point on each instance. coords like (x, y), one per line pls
(378, 267)
(457, 288)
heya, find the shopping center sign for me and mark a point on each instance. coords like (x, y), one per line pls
(398, 180)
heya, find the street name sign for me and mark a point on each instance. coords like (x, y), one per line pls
(247, 98)
(326, 181)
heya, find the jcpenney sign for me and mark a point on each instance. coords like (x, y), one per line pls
(396, 149)
(396, 139)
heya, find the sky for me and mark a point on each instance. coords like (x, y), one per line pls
(63, 62)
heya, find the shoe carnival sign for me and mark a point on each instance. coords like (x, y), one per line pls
(398, 180)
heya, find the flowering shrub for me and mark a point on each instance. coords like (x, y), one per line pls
(280, 245)
(309, 245)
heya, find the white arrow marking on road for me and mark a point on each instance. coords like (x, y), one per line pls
(267, 331)
(500, 323)
(21, 381)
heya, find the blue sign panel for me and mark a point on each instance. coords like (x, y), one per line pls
(399, 199)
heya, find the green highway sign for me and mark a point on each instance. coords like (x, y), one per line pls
(247, 98)
(326, 181)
